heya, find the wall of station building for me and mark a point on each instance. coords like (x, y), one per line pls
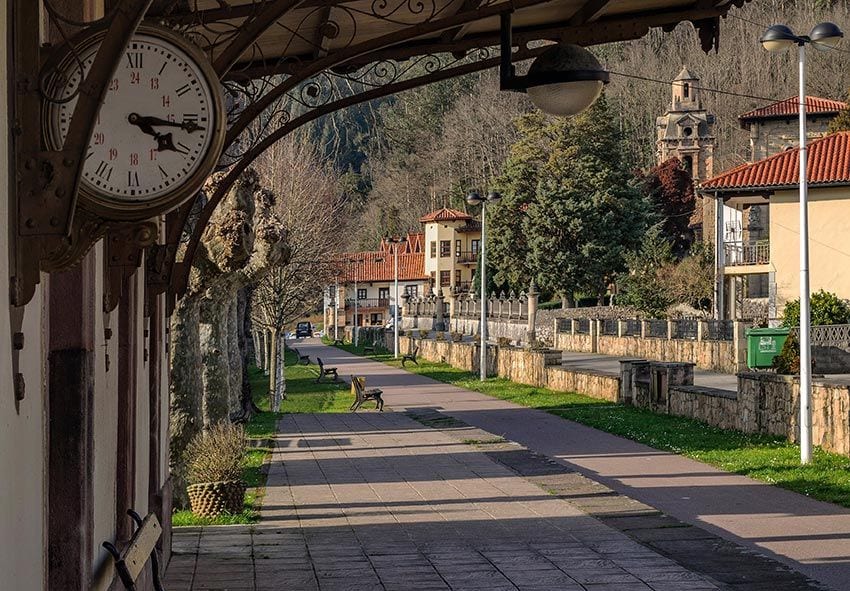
(25, 426)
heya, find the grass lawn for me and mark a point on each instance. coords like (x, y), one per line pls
(769, 459)
(303, 394)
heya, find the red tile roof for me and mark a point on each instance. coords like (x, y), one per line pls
(445, 215)
(790, 107)
(828, 163)
(411, 267)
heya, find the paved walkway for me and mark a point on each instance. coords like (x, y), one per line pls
(379, 501)
(610, 365)
(810, 536)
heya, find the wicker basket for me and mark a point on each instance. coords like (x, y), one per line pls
(211, 499)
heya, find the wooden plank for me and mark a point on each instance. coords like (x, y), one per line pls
(138, 553)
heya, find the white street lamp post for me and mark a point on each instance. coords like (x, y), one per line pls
(476, 199)
(778, 38)
(396, 242)
(336, 309)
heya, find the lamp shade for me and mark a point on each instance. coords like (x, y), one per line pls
(826, 36)
(778, 38)
(474, 198)
(565, 80)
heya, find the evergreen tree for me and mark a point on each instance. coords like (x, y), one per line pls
(587, 215)
(507, 239)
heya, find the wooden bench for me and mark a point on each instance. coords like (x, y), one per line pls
(130, 562)
(338, 343)
(410, 357)
(369, 349)
(305, 359)
(325, 371)
(362, 395)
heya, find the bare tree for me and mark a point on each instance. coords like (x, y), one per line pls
(309, 208)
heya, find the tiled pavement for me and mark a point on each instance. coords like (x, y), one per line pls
(379, 501)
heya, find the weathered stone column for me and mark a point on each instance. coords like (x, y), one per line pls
(533, 297)
(439, 315)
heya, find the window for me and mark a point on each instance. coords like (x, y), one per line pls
(383, 293)
(475, 245)
(433, 280)
(411, 290)
(457, 248)
(361, 294)
(445, 248)
(376, 319)
(457, 277)
(445, 278)
(433, 249)
(688, 164)
(687, 92)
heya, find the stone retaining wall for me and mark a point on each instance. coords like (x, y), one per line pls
(765, 403)
(770, 404)
(589, 383)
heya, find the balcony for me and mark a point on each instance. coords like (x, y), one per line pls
(467, 257)
(741, 254)
(463, 286)
(368, 303)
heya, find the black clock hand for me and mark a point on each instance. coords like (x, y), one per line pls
(187, 126)
(166, 142)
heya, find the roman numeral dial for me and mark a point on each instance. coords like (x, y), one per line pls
(159, 131)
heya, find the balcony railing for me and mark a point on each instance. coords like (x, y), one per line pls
(365, 303)
(467, 256)
(463, 286)
(746, 253)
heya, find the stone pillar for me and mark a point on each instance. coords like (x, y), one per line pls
(643, 329)
(621, 328)
(739, 341)
(702, 330)
(669, 329)
(453, 307)
(439, 316)
(533, 297)
(594, 335)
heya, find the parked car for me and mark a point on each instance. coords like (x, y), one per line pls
(303, 329)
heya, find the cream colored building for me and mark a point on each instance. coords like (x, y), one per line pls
(452, 245)
(773, 182)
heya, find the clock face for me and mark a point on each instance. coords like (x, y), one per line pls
(159, 128)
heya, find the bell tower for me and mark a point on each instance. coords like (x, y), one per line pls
(686, 130)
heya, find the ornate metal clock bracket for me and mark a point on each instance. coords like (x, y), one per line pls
(123, 255)
(48, 233)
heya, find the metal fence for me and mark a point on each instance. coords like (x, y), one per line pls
(610, 327)
(656, 329)
(632, 328)
(686, 328)
(831, 335)
(718, 330)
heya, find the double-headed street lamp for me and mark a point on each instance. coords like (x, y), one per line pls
(475, 199)
(356, 299)
(779, 38)
(397, 242)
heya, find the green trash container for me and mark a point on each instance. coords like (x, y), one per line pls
(763, 344)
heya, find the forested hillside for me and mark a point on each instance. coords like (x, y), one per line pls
(402, 156)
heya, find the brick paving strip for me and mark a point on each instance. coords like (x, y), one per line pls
(380, 501)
